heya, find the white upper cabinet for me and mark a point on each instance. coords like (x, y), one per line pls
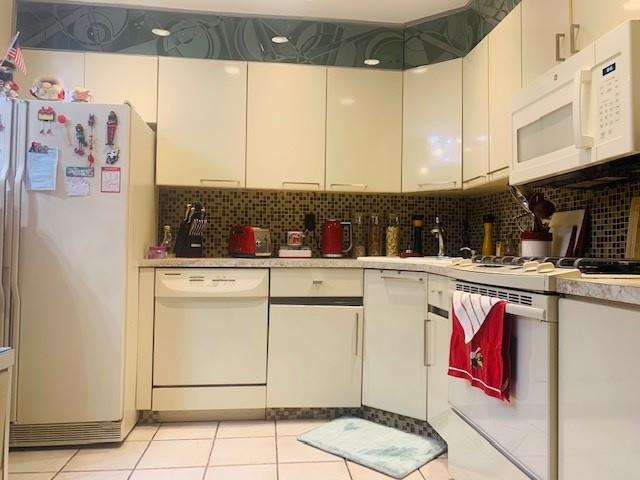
(65, 67)
(202, 123)
(546, 37)
(286, 126)
(116, 78)
(505, 79)
(364, 130)
(432, 125)
(594, 18)
(475, 92)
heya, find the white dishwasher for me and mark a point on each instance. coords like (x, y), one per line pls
(210, 331)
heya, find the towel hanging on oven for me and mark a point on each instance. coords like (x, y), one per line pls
(480, 343)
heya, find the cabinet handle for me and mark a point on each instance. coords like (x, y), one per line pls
(496, 170)
(357, 331)
(406, 279)
(215, 180)
(431, 349)
(427, 184)
(317, 282)
(474, 178)
(575, 28)
(559, 38)
(357, 185)
(424, 344)
(317, 184)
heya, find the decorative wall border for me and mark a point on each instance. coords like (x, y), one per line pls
(65, 26)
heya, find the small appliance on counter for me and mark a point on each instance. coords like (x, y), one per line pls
(248, 241)
(192, 227)
(333, 238)
(295, 247)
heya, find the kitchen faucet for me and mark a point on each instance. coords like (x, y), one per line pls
(437, 231)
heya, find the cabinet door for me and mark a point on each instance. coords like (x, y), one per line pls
(432, 124)
(315, 356)
(599, 387)
(475, 121)
(439, 337)
(364, 130)
(597, 17)
(545, 36)
(395, 372)
(67, 67)
(115, 78)
(505, 79)
(202, 122)
(286, 126)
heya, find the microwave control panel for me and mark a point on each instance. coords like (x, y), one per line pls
(609, 102)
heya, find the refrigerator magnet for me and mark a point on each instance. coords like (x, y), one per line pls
(81, 172)
(110, 180)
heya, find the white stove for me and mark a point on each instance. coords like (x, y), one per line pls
(532, 274)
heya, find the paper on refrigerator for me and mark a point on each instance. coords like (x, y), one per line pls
(42, 170)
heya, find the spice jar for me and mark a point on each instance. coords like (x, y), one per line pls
(359, 235)
(375, 236)
(393, 236)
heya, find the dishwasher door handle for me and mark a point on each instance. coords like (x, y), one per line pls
(357, 331)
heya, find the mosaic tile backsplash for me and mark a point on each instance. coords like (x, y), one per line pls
(282, 211)
(461, 216)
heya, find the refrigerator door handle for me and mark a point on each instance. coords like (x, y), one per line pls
(4, 172)
(21, 158)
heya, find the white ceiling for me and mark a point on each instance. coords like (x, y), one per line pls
(382, 11)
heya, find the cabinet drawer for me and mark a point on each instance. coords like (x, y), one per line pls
(439, 288)
(316, 282)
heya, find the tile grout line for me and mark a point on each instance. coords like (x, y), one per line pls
(144, 452)
(213, 443)
(66, 463)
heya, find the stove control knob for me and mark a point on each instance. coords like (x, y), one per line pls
(530, 266)
(546, 267)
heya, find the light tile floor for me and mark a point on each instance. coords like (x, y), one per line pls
(248, 450)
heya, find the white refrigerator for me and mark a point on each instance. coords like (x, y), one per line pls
(79, 208)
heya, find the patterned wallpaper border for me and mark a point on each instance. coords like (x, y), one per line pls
(65, 26)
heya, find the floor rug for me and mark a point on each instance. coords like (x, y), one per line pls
(386, 450)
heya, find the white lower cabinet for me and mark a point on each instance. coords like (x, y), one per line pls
(315, 356)
(438, 335)
(395, 363)
(599, 387)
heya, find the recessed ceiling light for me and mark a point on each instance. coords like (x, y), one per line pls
(161, 32)
(279, 39)
(372, 62)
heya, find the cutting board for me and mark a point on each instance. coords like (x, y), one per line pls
(569, 233)
(633, 234)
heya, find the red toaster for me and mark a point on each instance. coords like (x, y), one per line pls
(248, 241)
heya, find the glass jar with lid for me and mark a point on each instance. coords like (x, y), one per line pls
(359, 235)
(375, 235)
(393, 235)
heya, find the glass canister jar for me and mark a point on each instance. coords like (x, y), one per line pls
(375, 235)
(393, 235)
(359, 235)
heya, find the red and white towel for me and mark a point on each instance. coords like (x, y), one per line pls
(480, 343)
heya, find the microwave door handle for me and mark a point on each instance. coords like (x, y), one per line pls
(580, 99)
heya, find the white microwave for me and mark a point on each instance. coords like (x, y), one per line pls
(582, 112)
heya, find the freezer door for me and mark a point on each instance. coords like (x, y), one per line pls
(71, 282)
(7, 108)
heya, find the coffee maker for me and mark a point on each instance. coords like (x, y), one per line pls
(192, 227)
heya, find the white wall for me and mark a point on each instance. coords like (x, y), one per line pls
(6, 23)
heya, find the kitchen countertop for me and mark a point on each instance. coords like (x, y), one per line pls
(609, 289)
(426, 264)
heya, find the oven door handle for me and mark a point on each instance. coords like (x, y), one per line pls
(519, 310)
